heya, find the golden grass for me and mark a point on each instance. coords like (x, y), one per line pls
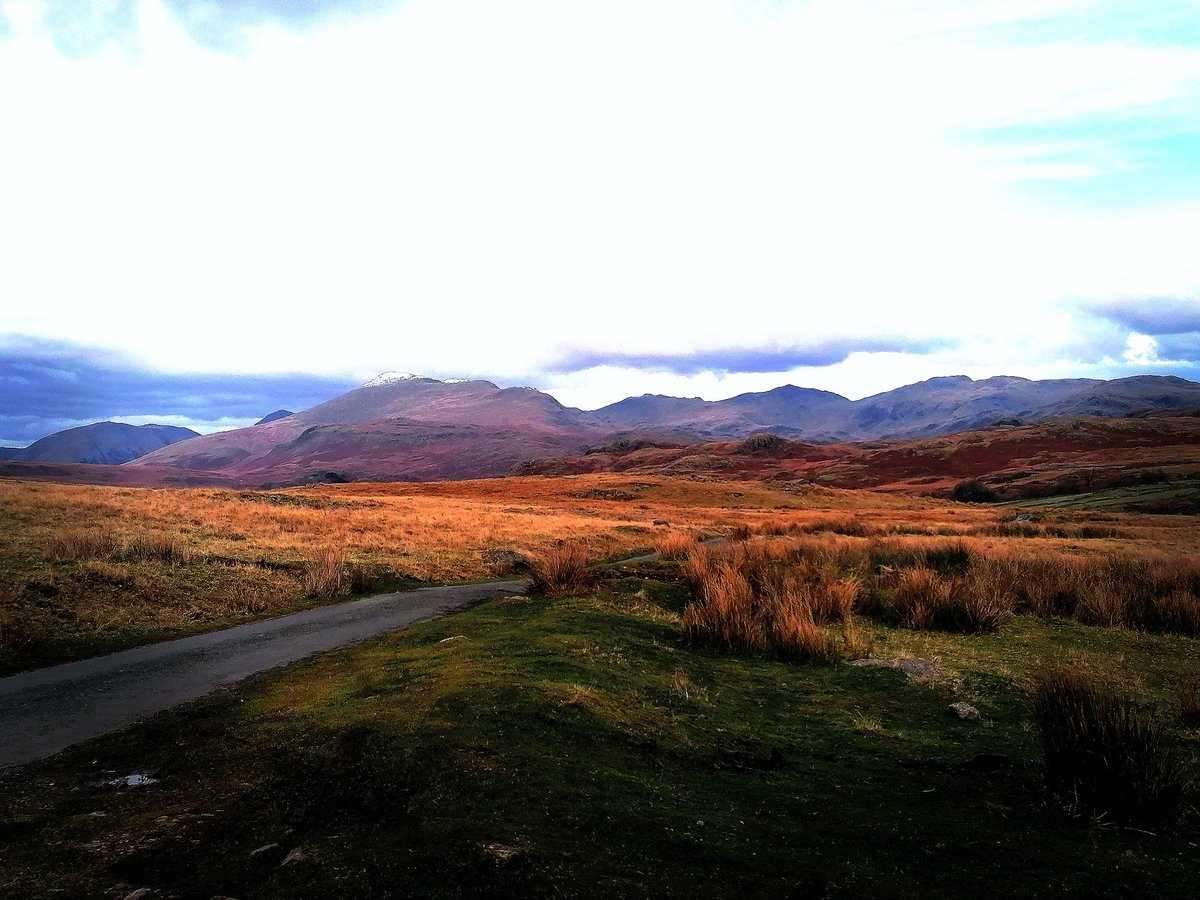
(80, 560)
(564, 571)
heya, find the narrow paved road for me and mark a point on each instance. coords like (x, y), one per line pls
(48, 710)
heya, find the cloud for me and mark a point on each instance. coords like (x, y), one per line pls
(46, 386)
(1155, 316)
(741, 360)
(506, 190)
(81, 28)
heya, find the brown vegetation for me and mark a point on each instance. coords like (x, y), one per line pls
(564, 571)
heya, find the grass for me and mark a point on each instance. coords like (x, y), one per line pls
(1104, 756)
(584, 744)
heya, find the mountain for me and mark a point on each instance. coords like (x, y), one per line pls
(936, 406)
(396, 427)
(409, 428)
(11, 452)
(275, 416)
(105, 443)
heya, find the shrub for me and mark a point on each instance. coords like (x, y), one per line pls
(325, 573)
(1104, 757)
(562, 572)
(972, 491)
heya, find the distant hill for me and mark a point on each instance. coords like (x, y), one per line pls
(1052, 457)
(11, 452)
(275, 416)
(105, 443)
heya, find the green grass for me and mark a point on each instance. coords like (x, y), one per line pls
(1167, 497)
(614, 758)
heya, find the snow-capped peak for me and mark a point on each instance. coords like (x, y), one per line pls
(392, 378)
(456, 381)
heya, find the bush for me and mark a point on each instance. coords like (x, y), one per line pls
(1104, 757)
(563, 572)
(972, 491)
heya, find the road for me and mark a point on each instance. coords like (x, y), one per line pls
(48, 710)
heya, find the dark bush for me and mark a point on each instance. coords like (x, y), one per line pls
(972, 491)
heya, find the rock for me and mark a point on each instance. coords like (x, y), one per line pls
(501, 853)
(502, 560)
(964, 710)
(298, 857)
(662, 522)
(138, 894)
(913, 667)
(267, 853)
(452, 638)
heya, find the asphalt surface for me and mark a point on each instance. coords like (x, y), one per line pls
(48, 710)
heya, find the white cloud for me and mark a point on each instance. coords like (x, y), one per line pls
(462, 187)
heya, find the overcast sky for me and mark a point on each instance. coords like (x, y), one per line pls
(703, 197)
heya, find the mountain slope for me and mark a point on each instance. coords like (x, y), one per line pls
(105, 443)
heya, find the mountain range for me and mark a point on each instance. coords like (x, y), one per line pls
(411, 428)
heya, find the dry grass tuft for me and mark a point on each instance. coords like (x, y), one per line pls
(325, 573)
(562, 572)
(746, 600)
(76, 544)
(160, 547)
(676, 545)
(1103, 756)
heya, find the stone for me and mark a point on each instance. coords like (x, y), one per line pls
(267, 852)
(138, 894)
(501, 853)
(662, 522)
(503, 560)
(299, 856)
(913, 667)
(964, 711)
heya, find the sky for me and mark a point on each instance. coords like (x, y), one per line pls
(213, 208)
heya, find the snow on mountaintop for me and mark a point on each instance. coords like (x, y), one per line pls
(392, 378)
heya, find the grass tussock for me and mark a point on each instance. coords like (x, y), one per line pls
(77, 544)
(326, 573)
(564, 571)
(755, 598)
(1104, 757)
(676, 545)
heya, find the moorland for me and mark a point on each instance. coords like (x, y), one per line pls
(850, 692)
